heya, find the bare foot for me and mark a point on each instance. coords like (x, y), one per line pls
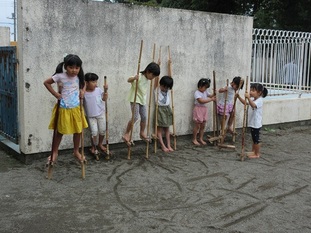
(78, 157)
(126, 139)
(144, 138)
(104, 149)
(164, 149)
(252, 153)
(195, 142)
(253, 156)
(202, 142)
(170, 149)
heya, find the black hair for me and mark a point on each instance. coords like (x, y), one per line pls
(167, 82)
(72, 60)
(204, 82)
(259, 88)
(236, 80)
(91, 77)
(153, 68)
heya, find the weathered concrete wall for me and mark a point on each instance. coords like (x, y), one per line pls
(4, 36)
(107, 38)
(286, 109)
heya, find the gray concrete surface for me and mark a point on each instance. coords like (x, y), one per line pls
(194, 189)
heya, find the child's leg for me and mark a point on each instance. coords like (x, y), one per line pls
(160, 137)
(76, 145)
(143, 120)
(201, 133)
(94, 131)
(256, 147)
(195, 133)
(126, 136)
(101, 121)
(57, 141)
(168, 138)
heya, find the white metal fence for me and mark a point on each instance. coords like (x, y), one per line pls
(281, 61)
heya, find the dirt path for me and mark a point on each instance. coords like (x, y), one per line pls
(194, 189)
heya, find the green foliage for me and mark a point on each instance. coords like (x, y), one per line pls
(271, 14)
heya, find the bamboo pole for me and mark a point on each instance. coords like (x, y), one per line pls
(223, 122)
(232, 114)
(242, 156)
(134, 103)
(82, 142)
(51, 160)
(172, 96)
(106, 114)
(149, 106)
(156, 109)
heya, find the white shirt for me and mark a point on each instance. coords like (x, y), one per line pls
(93, 103)
(164, 98)
(200, 95)
(255, 114)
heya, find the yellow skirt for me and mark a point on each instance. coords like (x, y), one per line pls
(69, 120)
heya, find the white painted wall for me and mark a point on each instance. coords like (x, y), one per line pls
(107, 38)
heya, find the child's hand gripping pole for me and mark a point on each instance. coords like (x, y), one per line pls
(134, 103)
(149, 106)
(244, 123)
(172, 96)
(51, 160)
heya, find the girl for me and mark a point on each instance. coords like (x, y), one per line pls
(201, 96)
(151, 71)
(94, 104)
(257, 92)
(165, 114)
(70, 84)
(231, 89)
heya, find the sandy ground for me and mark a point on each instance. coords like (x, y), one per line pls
(194, 189)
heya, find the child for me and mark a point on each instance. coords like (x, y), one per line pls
(94, 106)
(257, 92)
(231, 89)
(151, 71)
(70, 83)
(165, 114)
(201, 96)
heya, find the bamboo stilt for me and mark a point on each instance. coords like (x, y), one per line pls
(149, 106)
(172, 97)
(82, 143)
(51, 161)
(156, 110)
(134, 103)
(242, 156)
(106, 114)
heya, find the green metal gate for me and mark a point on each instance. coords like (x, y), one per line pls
(8, 93)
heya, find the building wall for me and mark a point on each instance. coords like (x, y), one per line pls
(107, 38)
(4, 36)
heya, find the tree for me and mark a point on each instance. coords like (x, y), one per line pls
(269, 14)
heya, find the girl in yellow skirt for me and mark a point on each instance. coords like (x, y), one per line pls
(70, 91)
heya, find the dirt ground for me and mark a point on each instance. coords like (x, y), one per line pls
(194, 189)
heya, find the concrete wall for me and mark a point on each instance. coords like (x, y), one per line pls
(107, 38)
(4, 36)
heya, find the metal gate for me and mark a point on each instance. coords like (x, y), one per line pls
(8, 93)
(281, 60)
